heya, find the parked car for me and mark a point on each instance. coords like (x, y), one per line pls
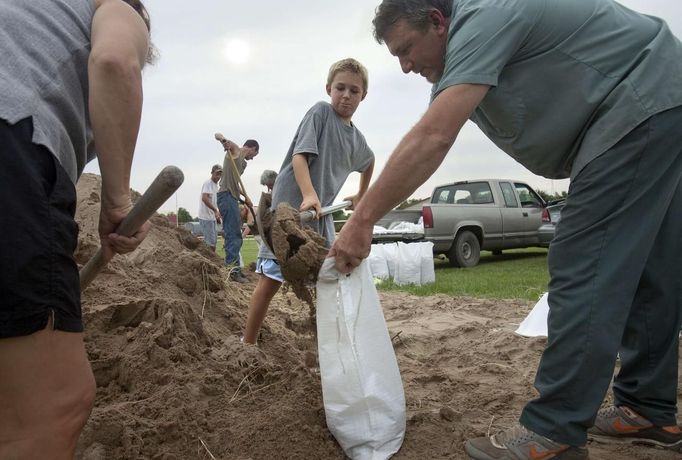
(465, 217)
(550, 217)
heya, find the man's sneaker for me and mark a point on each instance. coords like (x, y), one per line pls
(519, 443)
(622, 423)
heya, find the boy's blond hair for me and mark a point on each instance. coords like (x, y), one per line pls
(348, 65)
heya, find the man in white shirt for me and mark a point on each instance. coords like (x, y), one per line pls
(208, 207)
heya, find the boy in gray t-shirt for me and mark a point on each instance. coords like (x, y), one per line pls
(326, 148)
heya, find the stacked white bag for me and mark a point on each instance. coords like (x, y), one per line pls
(406, 263)
(408, 267)
(428, 271)
(378, 262)
(362, 392)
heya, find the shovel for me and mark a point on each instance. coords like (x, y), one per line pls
(265, 217)
(310, 214)
(165, 184)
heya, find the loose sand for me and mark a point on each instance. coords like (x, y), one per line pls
(174, 382)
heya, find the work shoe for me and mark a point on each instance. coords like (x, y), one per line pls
(622, 423)
(236, 275)
(519, 443)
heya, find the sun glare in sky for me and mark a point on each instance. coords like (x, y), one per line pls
(236, 51)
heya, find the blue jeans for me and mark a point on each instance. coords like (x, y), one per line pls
(232, 232)
(208, 228)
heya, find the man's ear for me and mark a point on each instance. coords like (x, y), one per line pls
(329, 89)
(437, 18)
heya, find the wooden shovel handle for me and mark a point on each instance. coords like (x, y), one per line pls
(165, 184)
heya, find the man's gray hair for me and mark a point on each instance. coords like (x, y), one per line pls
(268, 178)
(415, 12)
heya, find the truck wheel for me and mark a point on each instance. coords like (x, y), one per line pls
(466, 251)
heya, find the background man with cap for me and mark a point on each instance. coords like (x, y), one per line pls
(209, 213)
(228, 201)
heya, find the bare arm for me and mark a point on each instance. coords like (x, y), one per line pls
(302, 175)
(119, 47)
(415, 159)
(365, 179)
(206, 199)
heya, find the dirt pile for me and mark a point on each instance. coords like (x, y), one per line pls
(174, 381)
(162, 331)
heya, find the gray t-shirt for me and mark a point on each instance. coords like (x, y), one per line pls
(569, 78)
(334, 150)
(45, 47)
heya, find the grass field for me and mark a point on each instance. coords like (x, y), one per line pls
(516, 274)
(249, 250)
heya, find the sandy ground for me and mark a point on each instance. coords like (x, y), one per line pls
(174, 382)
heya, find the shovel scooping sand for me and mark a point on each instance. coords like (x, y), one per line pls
(300, 250)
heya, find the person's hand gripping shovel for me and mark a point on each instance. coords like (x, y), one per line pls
(165, 184)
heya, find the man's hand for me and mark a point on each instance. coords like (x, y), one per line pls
(113, 243)
(351, 245)
(218, 217)
(311, 201)
(231, 147)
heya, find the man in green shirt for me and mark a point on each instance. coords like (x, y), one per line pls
(229, 196)
(587, 90)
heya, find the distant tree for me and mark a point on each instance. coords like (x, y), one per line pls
(340, 217)
(409, 202)
(548, 197)
(184, 216)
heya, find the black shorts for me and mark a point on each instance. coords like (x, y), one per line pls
(38, 236)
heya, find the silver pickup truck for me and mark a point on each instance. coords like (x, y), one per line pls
(492, 214)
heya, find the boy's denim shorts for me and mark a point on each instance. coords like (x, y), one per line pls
(269, 268)
(38, 274)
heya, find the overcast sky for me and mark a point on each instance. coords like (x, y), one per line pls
(252, 70)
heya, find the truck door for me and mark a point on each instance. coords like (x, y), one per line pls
(513, 220)
(532, 206)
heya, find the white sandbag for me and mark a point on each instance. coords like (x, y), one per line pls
(378, 264)
(408, 267)
(389, 251)
(406, 227)
(535, 324)
(362, 392)
(391, 254)
(428, 271)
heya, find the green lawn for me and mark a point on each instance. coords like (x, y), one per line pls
(516, 274)
(249, 250)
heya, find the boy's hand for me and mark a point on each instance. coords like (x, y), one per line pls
(354, 199)
(311, 201)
